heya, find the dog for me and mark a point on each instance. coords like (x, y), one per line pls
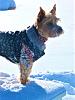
(27, 46)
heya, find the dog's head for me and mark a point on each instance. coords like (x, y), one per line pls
(47, 23)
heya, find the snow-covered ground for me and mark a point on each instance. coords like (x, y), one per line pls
(44, 86)
(10, 88)
(66, 78)
(59, 55)
(7, 5)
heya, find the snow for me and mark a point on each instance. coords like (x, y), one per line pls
(46, 86)
(35, 89)
(67, 79)
(7, 5)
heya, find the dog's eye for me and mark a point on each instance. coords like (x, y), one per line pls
(50, 24)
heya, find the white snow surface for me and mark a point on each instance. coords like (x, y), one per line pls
(35, 89)
(41, 86)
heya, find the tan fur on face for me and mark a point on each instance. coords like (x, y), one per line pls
(43, 20)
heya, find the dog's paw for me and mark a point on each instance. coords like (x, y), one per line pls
(24, 81)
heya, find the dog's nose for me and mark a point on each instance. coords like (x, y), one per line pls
(59, 30)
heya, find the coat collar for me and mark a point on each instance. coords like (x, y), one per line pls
(35, 38)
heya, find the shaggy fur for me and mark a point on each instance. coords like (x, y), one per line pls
(27, 46)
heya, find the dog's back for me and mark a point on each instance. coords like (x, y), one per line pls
(11, 45)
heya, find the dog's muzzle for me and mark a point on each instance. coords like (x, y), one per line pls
(56, 30)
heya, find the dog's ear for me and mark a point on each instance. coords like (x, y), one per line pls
(41, 15)
(53, 11)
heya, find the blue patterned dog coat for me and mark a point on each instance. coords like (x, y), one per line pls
(11, 44)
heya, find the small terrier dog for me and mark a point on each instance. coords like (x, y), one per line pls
(27, 46)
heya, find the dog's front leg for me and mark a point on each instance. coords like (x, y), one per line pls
(26, 62)
(24, 73)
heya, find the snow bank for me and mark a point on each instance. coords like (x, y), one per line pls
(36, 89)
(66, 78)
(7, 5)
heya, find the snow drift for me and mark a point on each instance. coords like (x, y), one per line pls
(36, 89)
(7, 5)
